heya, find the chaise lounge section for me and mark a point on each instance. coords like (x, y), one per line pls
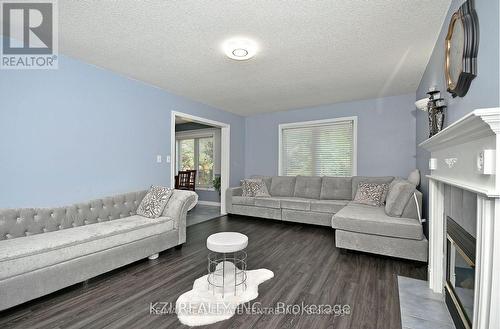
(44, 250)
(328, 201)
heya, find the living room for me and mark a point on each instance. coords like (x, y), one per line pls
(237, 164)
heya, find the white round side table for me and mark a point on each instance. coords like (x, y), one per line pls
(227, 250)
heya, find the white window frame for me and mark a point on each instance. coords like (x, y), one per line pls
(225, 151)
(302, 124)
(195, 134)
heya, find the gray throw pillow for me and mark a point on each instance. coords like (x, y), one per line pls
(400, 191)
(414, 177)
(371, 194)
(154, 201)
(254, 187)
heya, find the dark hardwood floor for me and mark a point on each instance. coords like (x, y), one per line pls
(307, 267)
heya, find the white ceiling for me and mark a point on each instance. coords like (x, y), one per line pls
(311, 52)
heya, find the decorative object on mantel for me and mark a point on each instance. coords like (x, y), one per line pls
(421, 104)
(436, 107)
(461, 46)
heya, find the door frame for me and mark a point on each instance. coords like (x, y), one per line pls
(224, 151)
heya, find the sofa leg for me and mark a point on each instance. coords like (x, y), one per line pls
(153, 256)
(179, 246)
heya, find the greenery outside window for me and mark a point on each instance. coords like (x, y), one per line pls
(197, 153)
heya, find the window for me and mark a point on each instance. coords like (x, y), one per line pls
(196, 153)
(325, 147)
(205, 161)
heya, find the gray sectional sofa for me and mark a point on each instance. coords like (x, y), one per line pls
(327, 201)
(44, 250)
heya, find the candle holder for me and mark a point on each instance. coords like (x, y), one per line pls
(436, 106)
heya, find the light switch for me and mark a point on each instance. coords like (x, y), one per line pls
(168, 158)
(158, 159)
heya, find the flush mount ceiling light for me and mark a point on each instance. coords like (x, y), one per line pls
(240, 49)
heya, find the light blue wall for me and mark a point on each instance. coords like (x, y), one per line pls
(81, 132)
(386, 135)
(484, 90)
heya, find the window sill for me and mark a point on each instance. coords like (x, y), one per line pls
(205, 188)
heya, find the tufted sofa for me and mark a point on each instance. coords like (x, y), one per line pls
(44, 250)
(327, 201)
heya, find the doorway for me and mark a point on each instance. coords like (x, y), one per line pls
(202, 145)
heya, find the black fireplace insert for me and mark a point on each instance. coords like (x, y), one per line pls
(460, 274)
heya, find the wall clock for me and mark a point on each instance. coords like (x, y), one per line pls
(461, 45)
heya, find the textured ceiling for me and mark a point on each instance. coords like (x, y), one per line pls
(311, 52)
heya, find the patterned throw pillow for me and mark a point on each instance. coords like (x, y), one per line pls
(371, 194)
(154, 201)
(254, 188)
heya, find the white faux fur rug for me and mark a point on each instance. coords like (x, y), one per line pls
(200, 306)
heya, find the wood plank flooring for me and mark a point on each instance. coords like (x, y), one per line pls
(307, 267)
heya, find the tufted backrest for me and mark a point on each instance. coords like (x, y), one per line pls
(16, 223)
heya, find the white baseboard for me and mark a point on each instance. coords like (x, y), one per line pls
(209, 203)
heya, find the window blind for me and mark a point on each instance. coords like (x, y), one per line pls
(318, 149)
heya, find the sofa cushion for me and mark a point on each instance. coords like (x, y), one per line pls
(356, 180)
(245, 200)
(295, 203)
(336, 188)
(400, 191)
(30, 253)
(307, 187)
(268, 202)
(307, 217)
(282, 186)
(254, 211)
(373, 220)
(328, 206)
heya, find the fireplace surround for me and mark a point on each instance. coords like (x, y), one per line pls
(466, 155)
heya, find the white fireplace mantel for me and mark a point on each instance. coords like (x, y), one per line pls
(455, 152)
(466, 154)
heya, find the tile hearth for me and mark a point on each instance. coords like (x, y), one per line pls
(421, 308)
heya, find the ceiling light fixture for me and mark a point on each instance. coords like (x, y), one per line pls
(240, 49)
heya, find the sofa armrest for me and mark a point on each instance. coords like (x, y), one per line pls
(177, 207)
(235, 191)
(413, 208)
(230, 193)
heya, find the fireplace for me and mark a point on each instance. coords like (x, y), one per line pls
(466, 155)
(460, 274)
